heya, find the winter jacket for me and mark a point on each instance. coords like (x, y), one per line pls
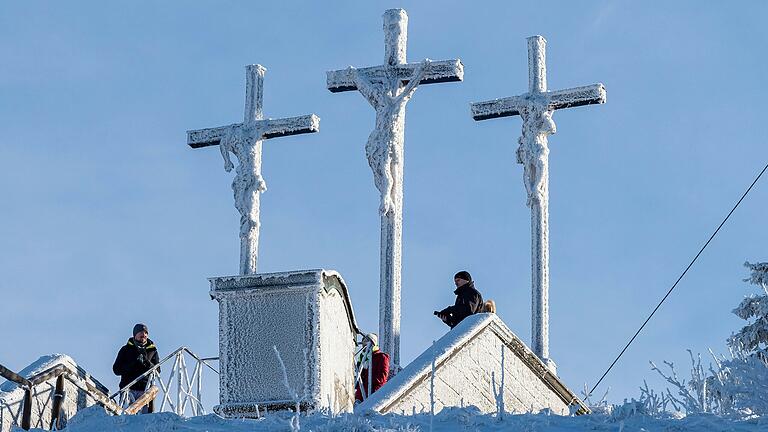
(133, 360)
(468, 301)
(379, 374)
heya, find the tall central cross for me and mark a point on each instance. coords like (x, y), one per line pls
(388, 88)
(244, 141)
(536, 108)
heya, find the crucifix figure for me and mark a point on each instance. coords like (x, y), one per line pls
(244, 141)
(536, 108)
(388, 88)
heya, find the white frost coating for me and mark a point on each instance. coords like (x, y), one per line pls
(244, 140)
(388, 89)
(292, 311)
(39, 365)
(536, 108)
(448, 420)
(75, 398)
(384, 148)
(467, 361)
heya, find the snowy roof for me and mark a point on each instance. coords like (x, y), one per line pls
(453, 341)
(262, 282)
(10, 391)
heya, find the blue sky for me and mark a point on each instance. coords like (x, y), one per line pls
(108, 218)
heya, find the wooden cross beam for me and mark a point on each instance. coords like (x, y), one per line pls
(388, 88)
(396, 65)
(273, 128)
(244, 141)
(536, 108)
(439, 72)
(558, 99)
(537, 90)
(254, 100)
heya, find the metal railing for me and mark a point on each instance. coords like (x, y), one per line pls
(185, 387)
(363, 361)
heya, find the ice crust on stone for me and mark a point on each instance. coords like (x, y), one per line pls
(292, 311)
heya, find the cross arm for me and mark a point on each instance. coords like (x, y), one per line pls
(273, 128)
(496, 108)
(439, 72)
(208, 137)
(291, 126)
(577, 96)
(559, 99)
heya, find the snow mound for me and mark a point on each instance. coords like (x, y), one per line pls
(453, 419)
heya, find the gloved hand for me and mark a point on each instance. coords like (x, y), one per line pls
(442, 316)
(143, 360)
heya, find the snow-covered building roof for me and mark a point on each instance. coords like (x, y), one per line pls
(480, 362)
(79, 388)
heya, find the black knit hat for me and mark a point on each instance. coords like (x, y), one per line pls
(140, 328)
(463, 275)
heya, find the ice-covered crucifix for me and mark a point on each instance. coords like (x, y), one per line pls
(536, 108)
(244, 141)
(388, 88)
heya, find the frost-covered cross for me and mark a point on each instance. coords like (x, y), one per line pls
(244, 141)
(388, 88)
(536, 108)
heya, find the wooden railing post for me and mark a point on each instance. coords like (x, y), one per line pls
(145, 399)
(26, 410)
(58, 401)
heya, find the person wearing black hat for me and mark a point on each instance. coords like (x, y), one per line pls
(468, 301)
(134, 358)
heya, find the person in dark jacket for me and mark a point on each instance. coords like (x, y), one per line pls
(468, 301)
(379, 363)
(134, 358)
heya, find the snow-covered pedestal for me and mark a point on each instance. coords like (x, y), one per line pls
(307, 316)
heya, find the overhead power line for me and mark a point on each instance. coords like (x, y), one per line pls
(679, 279)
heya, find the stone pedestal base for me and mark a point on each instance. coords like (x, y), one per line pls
(307, 317)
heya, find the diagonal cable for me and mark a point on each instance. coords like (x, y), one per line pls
(679, 279)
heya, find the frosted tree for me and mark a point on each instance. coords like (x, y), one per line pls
(752, 339)
(731, 386)
(741, 383)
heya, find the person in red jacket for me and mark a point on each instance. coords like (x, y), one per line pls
(379, 362)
